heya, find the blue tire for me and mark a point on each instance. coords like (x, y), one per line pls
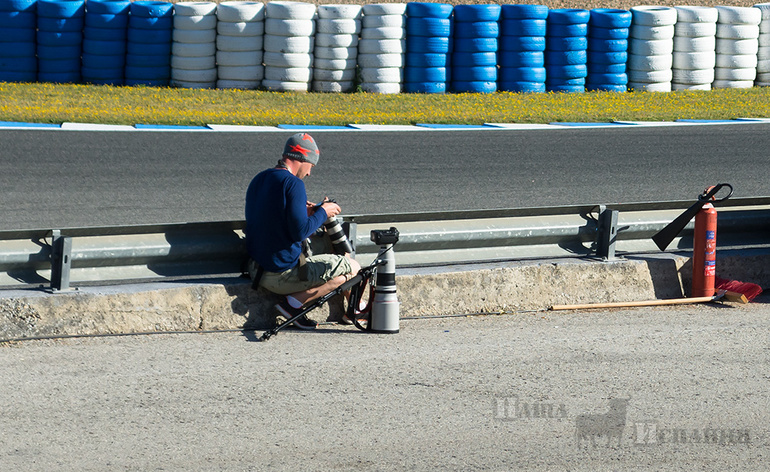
(419, 26)
(106, 20)
(108, 7)
(103, 48)
(144, 61)
(150, 9)
(17, 35)
(18, 5)
(606, 87)
(57, 66)
(59, 77)
(115, 61)
(610, 18)
(472, 13)
(566, 57)
(104, 34)
(607, 45)
(7, 76)
(427, 44)
(140, 22)
(475, 44)
(521, 87)
(428, 10)
(556, 72)
(425, 74)
(145, 82)
(477, 29)
(568, 16)
(608, 33)
(56, 52)
(145, 49)
(18, 19)
(19, 49)
(48, 38)
(612, 79)
(114, 82)
(521, 74)
(522, 27)
(607, 57)
(565, 88)
(419, 59)
(65, 25)
(521, 59)
(563, 81)
(149, 36)
(61, 8)
(148, 73)
(474, 74)
(594, 68)
(535, 12)
(521, 43)
(474, 87)
(471, 59)
(425, 87)
(580, 29)
(18, 64)
(569, 43)
(89, 74)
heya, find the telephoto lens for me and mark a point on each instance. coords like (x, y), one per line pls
(340, 243)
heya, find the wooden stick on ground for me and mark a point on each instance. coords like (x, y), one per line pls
(729, 296)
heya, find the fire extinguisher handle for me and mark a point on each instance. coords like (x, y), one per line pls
(709, 194)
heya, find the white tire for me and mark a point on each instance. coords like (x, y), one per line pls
(737, 46)
(335, 53)
(249, 73)
(677, 86)
(241, 58)
(764, 27)
(279, 86)
(290, 74)
(650, 63)
(765, 9)
(276, 59)
(736, 61)
(194, 8)
(195, 23)
(763, 77)
(739, 15)
(695, 30)
(241, 28)
(761, 84)
(720, 73)
(202, 75)
(340, 11)
(288, 44)
(235, 43)
(284, 27)
(764, 39)
(693, 77)
(193, 49)
(763, 53)
(651, 32)
(653, 15)
(383, 33)
(648, 77)
(696, 14)
(381, 46)
(701, 44)
(385, 88)
(763, 67)
(338, 26)
(238, 84)
(732, 84)
(188, 36)
(290, 10)
(192, 85)
(336, 40)
(340, 75)
(332, 86)
(694, 60)
(730, 31)
(237, 12)
(384, 9)
(383, 21)
(381, 60)
(383, 75)
(335, 64)
(651, 87)
(652, 47)
(193, 63)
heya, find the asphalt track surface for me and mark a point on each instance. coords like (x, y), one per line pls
(61, 179)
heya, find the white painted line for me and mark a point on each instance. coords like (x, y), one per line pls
(756, 120)
(525, 126)
(387, 127)
(243, 128)
(95, 127)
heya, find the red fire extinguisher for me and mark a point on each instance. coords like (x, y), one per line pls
(704, 252)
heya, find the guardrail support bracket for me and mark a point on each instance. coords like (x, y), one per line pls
(607, 234)
(61, 261)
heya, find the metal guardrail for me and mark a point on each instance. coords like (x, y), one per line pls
(81, 255)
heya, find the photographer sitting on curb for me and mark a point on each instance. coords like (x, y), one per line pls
(278, 219)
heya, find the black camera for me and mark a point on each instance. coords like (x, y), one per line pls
(382, 237)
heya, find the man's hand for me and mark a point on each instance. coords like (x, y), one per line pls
(331, 208)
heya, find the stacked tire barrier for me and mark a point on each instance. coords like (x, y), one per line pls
(763, 52)
(476, 30)
(521, 47)
(336, 47)
(18, 25)
(382, 56)
(694, 54)
(566, 50)
(104, 42)
(194, 46)
(428, 47)
(59, 40)
(608, 49)
(240, 30)
(148, 45)
(288, 58)
(651, 48)
(737, 45)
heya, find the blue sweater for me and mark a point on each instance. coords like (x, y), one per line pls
(276, 219)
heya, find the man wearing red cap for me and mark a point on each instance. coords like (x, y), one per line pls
(278, 219)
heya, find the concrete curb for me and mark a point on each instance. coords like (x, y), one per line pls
(231, 304)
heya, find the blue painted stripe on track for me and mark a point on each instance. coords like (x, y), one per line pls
(142, 126)
(21, 124)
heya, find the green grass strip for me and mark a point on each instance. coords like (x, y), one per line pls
(49, 103)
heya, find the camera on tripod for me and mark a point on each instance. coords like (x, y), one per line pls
(383, 237)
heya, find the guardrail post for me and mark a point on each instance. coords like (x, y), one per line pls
(61, 261)
(607, 233)
(351, 230)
